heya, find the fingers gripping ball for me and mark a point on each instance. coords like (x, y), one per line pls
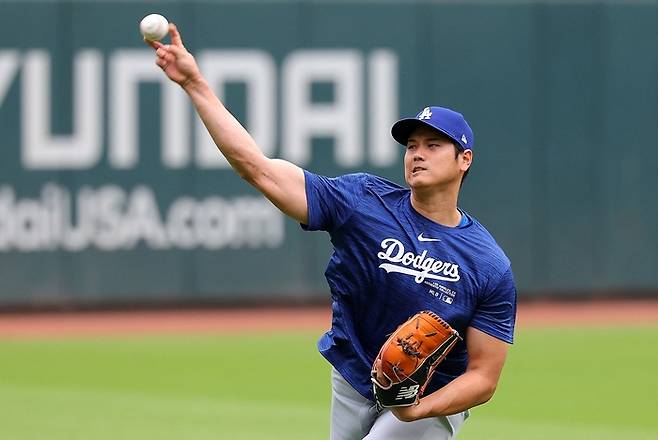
(154, 27)
(409, 357)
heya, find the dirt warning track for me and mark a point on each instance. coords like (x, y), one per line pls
(85, 324)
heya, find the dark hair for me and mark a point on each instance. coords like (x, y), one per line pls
(458, 150)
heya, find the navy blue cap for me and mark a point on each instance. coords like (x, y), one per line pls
(447, 121)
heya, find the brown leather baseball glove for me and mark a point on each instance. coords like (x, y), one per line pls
(408, 358)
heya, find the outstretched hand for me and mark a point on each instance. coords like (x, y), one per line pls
(175, 61)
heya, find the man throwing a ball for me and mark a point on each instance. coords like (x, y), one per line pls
(397, 251)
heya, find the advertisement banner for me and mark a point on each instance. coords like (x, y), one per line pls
(112, 190)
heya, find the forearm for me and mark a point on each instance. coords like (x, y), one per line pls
(468, 390)
(232, 139)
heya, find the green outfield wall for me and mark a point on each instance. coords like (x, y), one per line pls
(110, 189)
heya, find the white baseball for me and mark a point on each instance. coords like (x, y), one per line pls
(154, 27)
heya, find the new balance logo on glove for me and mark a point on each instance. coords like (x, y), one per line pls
(407, 392)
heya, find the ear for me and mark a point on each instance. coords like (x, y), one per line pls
(466, 159)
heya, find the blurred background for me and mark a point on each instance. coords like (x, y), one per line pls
(112, 195)
(110, 186)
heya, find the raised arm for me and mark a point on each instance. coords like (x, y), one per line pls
(280, 181)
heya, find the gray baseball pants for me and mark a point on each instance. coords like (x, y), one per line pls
(353, 417)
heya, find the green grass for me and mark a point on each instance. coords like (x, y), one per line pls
(574, 383)
(577, 383)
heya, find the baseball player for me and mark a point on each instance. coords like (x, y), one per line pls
(396, 251)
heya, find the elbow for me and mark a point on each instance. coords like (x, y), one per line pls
(254, 172)
(249, 173)
(488, 392)
(258, 179)
(246, 175)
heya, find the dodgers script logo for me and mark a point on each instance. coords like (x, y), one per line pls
(419, 266)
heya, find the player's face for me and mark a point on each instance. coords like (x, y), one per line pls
(430, 160)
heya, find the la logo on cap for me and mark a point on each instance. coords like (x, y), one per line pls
(425, 114)
(464, 139)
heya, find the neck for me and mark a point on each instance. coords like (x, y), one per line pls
(438, 206)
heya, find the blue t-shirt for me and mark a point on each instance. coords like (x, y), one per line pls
(390, 262)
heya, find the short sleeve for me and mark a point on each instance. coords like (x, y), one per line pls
(496, 312)
(331, 200)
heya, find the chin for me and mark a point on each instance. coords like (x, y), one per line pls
(426, 182)
(419, 182)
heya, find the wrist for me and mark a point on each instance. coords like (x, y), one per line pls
(193, 83)
(428, 406)
(423, 409)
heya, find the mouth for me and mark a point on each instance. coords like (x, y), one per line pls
(417, 169)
